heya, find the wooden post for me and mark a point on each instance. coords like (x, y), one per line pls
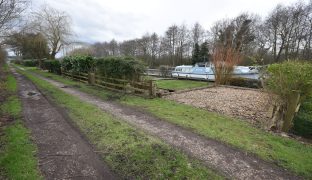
(152, 88)
(91, 78)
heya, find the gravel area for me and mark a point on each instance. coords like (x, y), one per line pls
(247, 104)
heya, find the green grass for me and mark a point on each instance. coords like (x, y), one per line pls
(285, 152)
(128, 151)
(180, 84)
(17, 154)
(11, 84)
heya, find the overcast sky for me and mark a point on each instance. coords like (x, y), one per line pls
(103, 20)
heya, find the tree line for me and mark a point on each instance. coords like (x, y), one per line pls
(34, 34)
(285, 33)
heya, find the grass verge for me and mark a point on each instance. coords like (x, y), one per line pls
(129, 152)
(180, 84)
(17, 153)
(284, 152)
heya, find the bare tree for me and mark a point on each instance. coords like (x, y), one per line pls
(197, 34)
(182, 42)
(113, 47)
(154, 47)
(170, 42)
(55, 25)
(10, 12)
(129, 48)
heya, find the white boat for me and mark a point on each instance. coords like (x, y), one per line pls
(206, 72)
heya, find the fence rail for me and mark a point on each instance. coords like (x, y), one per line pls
(142, 88)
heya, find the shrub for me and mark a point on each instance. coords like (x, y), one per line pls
(30, 63)
(303, 119)
(292, 81)
(79, 64)
(289, 76)
(120, 67)
(243, 82)
(53, 66)
(224, 60)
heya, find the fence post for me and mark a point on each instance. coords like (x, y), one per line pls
(62, 71)
(91, 78)
(152, 88)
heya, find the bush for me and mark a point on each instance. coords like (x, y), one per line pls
(53, 66)
(79, 64)
(289, 76)
(303, 119)
(30, 63)
(120, 67)
(292, 81)
(243, 82)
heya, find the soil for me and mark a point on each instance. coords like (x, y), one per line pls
(63, 152)
(229, 161)
(247, 104)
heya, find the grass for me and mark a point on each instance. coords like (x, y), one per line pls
(128, 151)
(180, 84)
(17, 154)
(285, 152)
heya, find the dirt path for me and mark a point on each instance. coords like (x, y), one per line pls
(227, 160)
(63, 153)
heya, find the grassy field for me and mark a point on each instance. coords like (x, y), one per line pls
(127, 151)
(287, 153)
(17, 152)
(180, 84)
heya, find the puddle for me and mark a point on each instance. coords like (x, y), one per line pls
(31, 94)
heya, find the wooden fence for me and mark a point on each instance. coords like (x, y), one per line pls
(143, 88)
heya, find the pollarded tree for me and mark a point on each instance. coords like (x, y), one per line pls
(55, 25)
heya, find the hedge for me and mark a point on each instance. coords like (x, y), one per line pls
(120, 67)
(303, 119)
(30, 63)
(290, 79)
(243, 82)
(53, 66)
(83, 64)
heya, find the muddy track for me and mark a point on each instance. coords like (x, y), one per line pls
(229, 161)
(63, 153)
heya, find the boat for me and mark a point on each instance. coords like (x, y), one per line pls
(204, 72)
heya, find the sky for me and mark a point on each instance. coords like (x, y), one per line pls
(103, 20)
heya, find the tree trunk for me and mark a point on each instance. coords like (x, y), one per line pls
(291, 109)
(52, 56)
